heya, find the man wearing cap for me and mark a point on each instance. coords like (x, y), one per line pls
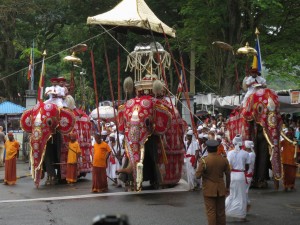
(192, 152)
(101, 154)
(236, 202)
(253, 82)
(12, 153)
(64, 90)
(249, 147)
(54, 93)
(212, 169)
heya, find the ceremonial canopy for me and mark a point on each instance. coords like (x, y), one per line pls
(134, 14)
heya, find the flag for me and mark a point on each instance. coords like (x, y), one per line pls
(30, 65)
(258, 57)
(42, 80)
(180, 84)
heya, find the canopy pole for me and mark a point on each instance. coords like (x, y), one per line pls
(112, 96)
(95, 91)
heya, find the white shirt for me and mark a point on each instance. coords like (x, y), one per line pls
(252, 162)
(238, 159)
(250, 80)
(191, 149)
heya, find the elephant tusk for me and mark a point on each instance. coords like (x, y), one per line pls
(139, 170)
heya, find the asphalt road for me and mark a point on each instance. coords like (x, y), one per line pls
(75, 205)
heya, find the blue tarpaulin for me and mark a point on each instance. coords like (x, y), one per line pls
(9, 108)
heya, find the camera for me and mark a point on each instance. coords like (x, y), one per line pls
(110, 220)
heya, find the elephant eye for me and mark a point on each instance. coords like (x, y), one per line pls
(49, 122)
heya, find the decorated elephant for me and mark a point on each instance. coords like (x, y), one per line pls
(259, 120)
(153, 133)
(49, 126)
(152, 127)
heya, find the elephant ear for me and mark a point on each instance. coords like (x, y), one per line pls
(67, 121)
(162, 119)
(26, 121)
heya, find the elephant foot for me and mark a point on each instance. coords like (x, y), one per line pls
(155, 185)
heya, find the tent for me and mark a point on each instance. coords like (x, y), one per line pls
(8, 111)
(231, 102)
(134, 14)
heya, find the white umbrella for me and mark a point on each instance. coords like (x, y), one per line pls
(105, 112)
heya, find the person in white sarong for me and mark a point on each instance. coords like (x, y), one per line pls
(236, 202)
(64, 90)
(113, 164)
(249, 147)
(192, 150)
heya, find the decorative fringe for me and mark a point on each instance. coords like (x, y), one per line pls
(157, 88)
(128, 85)
(163, 151)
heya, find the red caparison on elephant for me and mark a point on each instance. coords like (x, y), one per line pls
(153, 131)
(259, 120)
(49, 126)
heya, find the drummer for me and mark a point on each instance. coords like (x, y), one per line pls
(253, 82)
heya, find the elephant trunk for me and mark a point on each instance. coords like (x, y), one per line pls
(38, 150)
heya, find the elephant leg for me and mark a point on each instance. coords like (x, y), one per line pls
(49, 162)
(57, 142)
(151, 170)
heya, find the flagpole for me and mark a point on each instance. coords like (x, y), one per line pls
(32, 68)
(259, 66)
(41, 82)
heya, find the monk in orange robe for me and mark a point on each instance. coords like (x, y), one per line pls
(74, 152)
(221, 150)
(101, 154)
(12, 153)
(288, 160)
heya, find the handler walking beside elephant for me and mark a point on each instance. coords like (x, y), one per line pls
(212, 169)
(288, 159)
(74, 152)
(192, 153)
(12, 153)
(239, 160)
(101, 154)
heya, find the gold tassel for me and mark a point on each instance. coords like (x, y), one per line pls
(163, 151)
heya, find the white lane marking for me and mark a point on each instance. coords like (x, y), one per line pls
(92, 195)
(180, 188)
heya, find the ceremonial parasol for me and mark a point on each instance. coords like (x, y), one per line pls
(106, 112)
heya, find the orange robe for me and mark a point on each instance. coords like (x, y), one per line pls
(101, 152)
(221, 150)
(12, 150)
(289, 164)
(73, 153)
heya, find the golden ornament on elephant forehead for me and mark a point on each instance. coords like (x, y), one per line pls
(247, 50)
